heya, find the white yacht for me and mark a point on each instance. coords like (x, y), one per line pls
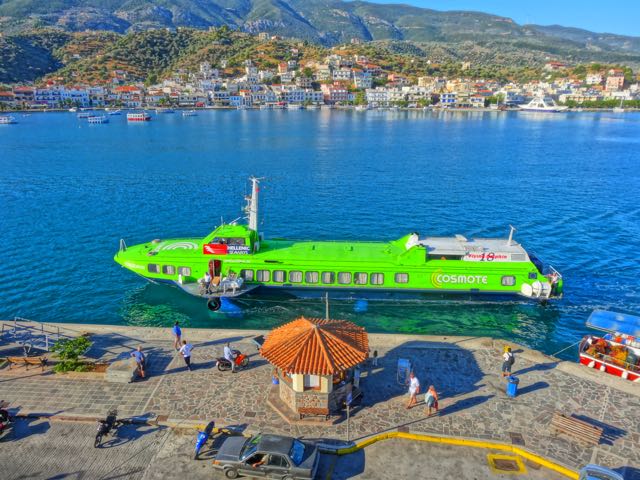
(542, 104)
(7, 120)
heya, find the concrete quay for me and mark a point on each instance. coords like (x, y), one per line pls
(464, 370)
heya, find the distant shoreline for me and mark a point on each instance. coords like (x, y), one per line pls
(332, 107)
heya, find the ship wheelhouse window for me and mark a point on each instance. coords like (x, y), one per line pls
(508, 281)
(168, 269)
(533, 275)
(344, 278)
(278, 276)
(360, 278)
(402, 278)
(328, 277)
(247, 275)
(184, 271)
(311, 277)
(153, 268)
(377, 278)
(263, 275)
(295, 276)
(229, 240)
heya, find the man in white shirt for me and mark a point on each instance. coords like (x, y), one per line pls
(207, 281)
(185, 351)
(414, 389)
(228, 354)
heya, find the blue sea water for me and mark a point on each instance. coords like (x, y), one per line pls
(570, 183)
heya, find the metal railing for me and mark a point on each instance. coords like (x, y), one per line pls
(30, 334)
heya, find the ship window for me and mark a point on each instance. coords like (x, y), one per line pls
(184, 271)
(311, 277)
(328, 277)
(247, 275)
(264, 275)
(278, 276)
(344, 278)
(508, 281)
(168, 269)
(533, 275)
(229, 240)
(153, 268)
(377, 278)
(360, 278)
(402, 278)
(295, 276)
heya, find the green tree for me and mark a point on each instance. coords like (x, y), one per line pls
(360, 99)
(69, 352)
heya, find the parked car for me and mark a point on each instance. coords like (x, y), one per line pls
(270, 456)
(596, 472)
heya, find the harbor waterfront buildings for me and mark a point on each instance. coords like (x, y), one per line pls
(335, 80)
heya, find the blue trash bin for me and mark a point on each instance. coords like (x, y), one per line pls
(512, 386)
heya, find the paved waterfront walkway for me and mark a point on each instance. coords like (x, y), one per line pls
(465, 372)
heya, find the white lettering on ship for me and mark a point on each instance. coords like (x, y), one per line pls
(440, 278)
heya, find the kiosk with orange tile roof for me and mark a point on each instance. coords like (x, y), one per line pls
(315, 361)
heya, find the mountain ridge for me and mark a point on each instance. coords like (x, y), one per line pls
(328, 22)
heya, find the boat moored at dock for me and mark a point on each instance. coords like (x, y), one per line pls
(542, 104)
(618, 351)
(138, 117)
(235, 259)
(7, 120)
(97, 119)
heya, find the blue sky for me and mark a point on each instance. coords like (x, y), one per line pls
(621, 16)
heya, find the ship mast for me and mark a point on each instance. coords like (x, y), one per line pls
(252, 205)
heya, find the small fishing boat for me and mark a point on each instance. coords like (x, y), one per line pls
(73, 109)
(164, 110)
(189, 113)
(98, 119)
(115, 112)
(294, 106)
(7, 120)
(138, 117)
(618, 351)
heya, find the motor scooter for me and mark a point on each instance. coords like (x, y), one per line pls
(240, 359)
(202, 438)
(106, 426)
(6, 420)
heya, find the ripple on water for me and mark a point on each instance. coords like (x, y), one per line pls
(570, 184)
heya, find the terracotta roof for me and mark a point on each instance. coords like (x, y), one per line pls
(316, 347)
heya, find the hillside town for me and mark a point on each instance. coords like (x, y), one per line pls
(338, 80)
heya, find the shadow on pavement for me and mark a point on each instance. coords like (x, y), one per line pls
(27, 427)
(129, 433)
(610, 433)
(532, 388)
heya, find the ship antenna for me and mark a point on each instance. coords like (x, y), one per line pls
(510, 241)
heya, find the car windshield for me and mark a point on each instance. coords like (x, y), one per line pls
(250, 447)
(297, 452)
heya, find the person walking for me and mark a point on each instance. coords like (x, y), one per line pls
(140, 360)
(177, 335)
(507, 361)
(431, 400)
(375, 358)
(414, 389)
(185, 350)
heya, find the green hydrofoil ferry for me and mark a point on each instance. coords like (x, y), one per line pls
(235, 259)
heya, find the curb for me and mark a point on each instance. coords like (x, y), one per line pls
(461, 442)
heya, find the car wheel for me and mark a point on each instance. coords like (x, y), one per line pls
(231, 473)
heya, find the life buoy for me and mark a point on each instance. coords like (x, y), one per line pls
(214, 304)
